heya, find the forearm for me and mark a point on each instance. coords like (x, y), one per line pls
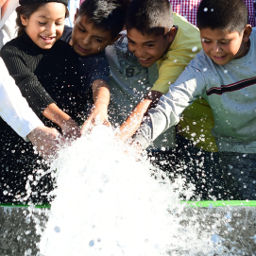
(56, 115)
(154, 124)
(132, 123)
(101, 93)
(31, 88)
(165, 115)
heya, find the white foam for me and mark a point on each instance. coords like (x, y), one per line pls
(108, 203)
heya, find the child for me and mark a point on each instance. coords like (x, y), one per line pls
(97, 23)
(66, 78)
(171, 51)
(155, 35)
(14, 109)
(223, 74)
(31, 59)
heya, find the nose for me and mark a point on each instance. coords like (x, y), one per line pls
(136, 50)
(217, 47)
(86, 40)
(52, 29)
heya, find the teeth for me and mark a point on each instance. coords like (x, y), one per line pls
(47, 38)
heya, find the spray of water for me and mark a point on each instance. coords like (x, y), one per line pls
(111, 201)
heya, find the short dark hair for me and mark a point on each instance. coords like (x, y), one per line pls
(105, 14)
(149, 16)
(230, 15)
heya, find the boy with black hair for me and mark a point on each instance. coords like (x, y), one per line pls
(97, 23)
(223, 73)
(156, 36)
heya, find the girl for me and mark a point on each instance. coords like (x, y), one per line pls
(48, 74)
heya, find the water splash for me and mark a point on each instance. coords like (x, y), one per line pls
(111, 201)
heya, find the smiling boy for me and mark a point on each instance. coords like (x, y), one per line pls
(96, 25)
(224, 75)
(156, 35)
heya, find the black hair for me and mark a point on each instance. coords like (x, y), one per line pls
(230, 15)
(27, 11)
(149, 16)
(105, 14)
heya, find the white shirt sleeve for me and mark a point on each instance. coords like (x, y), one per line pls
(14, 108)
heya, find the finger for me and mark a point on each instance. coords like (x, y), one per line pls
(106, 123)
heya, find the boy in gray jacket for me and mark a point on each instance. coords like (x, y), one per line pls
(224, 74)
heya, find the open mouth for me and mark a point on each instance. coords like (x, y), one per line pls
(82, 50)
(219, 57)
(48, 39)
(145, 61)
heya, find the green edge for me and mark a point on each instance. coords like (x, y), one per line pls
(194, 204)
(224, 203)
(43, 206)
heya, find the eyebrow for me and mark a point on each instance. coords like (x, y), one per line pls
(221, 39)
(96, 36)
(147, 42)
(45, 17)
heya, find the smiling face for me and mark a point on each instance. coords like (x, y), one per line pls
(223, 46)
(88, 39)
(45, 25)
(148, 48)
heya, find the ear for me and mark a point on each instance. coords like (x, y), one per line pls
(76, 16)
(171, 33)
(247, 33)
(24, 20)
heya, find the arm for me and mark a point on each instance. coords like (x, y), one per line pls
(14, 108)
(36, 95)
(101, 98)
(15, 112)
(188, 87)
(133, 122)
(68, 126)
(99, 74)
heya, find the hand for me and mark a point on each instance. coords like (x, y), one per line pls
(98, 116)
(45, 140)
(70, 129)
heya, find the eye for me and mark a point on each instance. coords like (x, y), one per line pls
(41, 23)
(205, 41)
(131, 42)
(59, 23)
(224, 42)
(81, 30)
(98, 40)
(150, 45)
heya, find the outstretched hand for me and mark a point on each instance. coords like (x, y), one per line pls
(70, 129)
(98, 116)
(46, 141)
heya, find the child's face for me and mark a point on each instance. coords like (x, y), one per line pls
(148, 48)
(88, 39)
(45, 26)
(223, 46)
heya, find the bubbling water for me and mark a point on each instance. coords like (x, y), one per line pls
(111, 201)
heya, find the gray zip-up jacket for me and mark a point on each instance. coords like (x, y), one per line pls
(230, 91)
